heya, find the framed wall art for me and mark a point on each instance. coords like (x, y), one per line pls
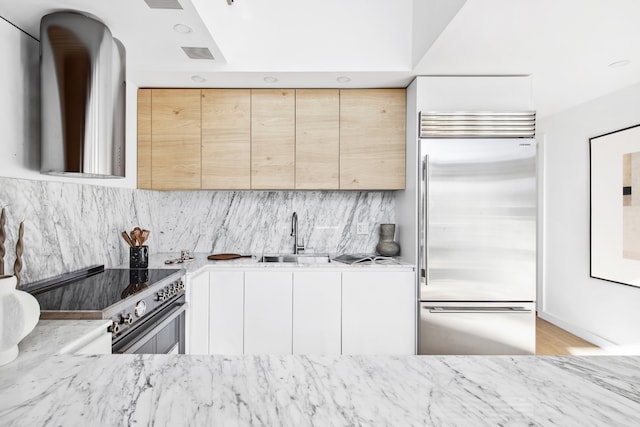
(615, 206)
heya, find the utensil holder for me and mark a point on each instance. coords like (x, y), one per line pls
(139, 257)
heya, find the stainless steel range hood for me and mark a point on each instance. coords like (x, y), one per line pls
(82, 72)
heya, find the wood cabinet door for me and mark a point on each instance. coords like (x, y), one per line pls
(378, 312)
(198, 324)
(175, 139)
(317, 139)
(267, 312)
(226, 312)
(144, 139)
(273, 139)
(316, 312)
(226, 139)
(372, 139)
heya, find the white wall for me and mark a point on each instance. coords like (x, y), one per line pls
(429, 19)
(407, 200)
(602, 312)
(20, 114)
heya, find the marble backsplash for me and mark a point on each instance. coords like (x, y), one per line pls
(71, 226)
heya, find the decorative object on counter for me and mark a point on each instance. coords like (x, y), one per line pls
(226, 257)
(17, 266)
(185, 256)
(386, 246)
(139, 257)
(3, 237)
(19, 315)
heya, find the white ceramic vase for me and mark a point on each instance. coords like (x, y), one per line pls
(19, 314)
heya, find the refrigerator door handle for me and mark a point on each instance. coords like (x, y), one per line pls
(475, 310)
(424, 276)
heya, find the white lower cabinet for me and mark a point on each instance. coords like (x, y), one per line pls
(268, 312)
(198, 325)
(226, 312)
(316, 312)
(378, 312)
(301, 312)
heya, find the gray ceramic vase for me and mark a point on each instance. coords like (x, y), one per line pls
(386, 246)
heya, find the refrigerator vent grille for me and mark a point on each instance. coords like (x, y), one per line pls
(477, 124)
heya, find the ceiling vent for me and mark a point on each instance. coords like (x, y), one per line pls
(163, 4)
(198, 52)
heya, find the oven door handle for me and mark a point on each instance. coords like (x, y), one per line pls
(170, 317)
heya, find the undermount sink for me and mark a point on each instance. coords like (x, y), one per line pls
(296, 259)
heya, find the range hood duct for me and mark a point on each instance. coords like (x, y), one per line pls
(82, 72)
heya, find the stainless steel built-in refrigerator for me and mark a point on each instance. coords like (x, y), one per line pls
(477, 235)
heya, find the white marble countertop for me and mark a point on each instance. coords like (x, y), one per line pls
(177, 390)
(52, 337)
(200, 261)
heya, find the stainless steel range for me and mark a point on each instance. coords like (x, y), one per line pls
(146, 306)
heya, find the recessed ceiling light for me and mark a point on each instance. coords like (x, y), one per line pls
(198, 79)
(621, 63)
(182, 29)
(270, 79)
(343, 79)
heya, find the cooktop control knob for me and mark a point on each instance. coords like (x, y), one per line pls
(114, 328)
(141, 308)
(127, 319)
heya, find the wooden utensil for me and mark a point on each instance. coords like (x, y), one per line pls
(127, 238)
(137, 233)
(145, 235)
(133, 239)
(226, 257)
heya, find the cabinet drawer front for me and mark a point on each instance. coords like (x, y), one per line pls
(317, 312)
(226, 312)
(268, 312)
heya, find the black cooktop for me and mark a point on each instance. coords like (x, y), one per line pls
(99, 291)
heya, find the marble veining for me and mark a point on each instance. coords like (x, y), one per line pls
(163, 390)
(71, 226)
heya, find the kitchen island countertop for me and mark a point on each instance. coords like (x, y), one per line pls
(176, 390)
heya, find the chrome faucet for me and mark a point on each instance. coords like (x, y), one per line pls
(294, 232)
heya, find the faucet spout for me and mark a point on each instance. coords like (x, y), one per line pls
(294, 233)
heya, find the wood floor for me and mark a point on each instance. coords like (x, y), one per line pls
(554, 341)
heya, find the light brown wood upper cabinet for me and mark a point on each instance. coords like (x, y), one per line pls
(317, 139)
(372, 139)
(273, 135)
(226, 139)
(144, 139)
(175, 139)
(271, 139)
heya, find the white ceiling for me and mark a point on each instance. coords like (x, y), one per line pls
(566, 46)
